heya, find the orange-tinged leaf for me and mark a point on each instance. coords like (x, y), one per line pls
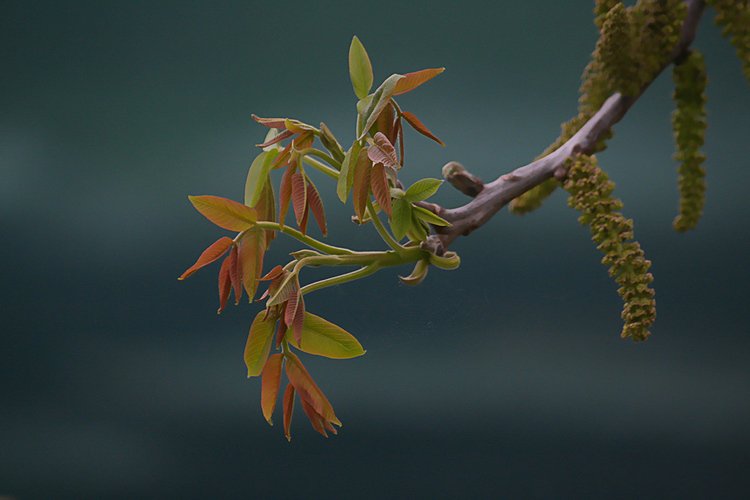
(305, 218)
(414, 80)
(278, 123)
(361, 184)
(280, 333)
(259, 343)
(385, 121)
(380, 190)
(419, 127)
(288, 409)
(304, 141)
(225, 284)
(284, 157)
(285, 192)
(323, 338)
(299, 196)
(252, 250)
(299, 318)
(316, 205)
(380, 99)
(400, 135)
(271, 381)
(209, 255)
(291, 306)
(315, 419)
(276, 271)
(266, 209)
(235, 273)
(308, 389)
(382, 151)
(276, 139)
(225, 213)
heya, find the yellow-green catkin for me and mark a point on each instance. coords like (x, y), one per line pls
(614, 52)
(734, 18)
(689, 124)
(590, 193)
(657, 29)
(601, 7)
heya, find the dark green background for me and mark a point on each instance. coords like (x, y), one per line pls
(506, 377)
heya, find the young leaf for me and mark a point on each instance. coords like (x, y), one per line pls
(280, 289)
(271, 381)
(252, 249)
(297, 127)
(285, 191)
(225, 284)
(257, 176)
(384, 123)
(316, 205)
(304, 141)
(280, 333)
(259, 343)
(209, 255)
(422, 189)
(417, 231)
(308, 389)
(429, 217)
(401, 217)
(414, 80)
(299, 318)
(361, 185)
(235, 273)
(276, 139)
(380, 189)
(382, 151)
(315, 419)
(418, 274)
(323, 338)
(288, 409)
(278, 123)
(266, 209)
(346, 177)
(419, 127)
(331, 144)
(283, 158)
(225, 213)
(299, 197)
(273, 273)
(360, 69)
(291, 306)
(379, 101)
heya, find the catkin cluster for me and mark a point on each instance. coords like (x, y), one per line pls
(689, 124)
(590, 193)
(734, 18)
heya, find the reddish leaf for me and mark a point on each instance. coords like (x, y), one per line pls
(225, 213)
(283, 159)
(315, 419)
(303, 222)
(285, 192)
(235, 273)
(396, 130)
(276, 139)
(225, 284)
(401, 141)
(299, 196)
(259, 343)
(280, 289)
(299, 318)
(361, 184)
(414, 80)
(291, 306)
(288, 409)
(380, 99)
(209, 255)
(316, 205)
(304, 141)
(266, 209)
(272, 273)
(384, 122)
(252, 250)
(280, 333)
(271, 381)
(278, 123)
(419, 127)
(379, 184)
(382, 151)
(307, 389)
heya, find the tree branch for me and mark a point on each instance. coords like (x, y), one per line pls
(498, 193)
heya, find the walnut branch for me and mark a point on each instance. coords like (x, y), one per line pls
(493, 196)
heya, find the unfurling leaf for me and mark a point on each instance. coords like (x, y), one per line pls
(418, 274)
(308, 389)
(280, 288)
(299, 318)
(209, 255)
(257, 175)
(225, 284)
(298, 127)
(361, 185)
(422, 189)
(280, 333)
(382, 151)
(285, 192)
(291, 306)
(299, 197)
(360, 68)
(419, 127)
(380, 99)
(346, 177)
(235, 273)
(259, 343)
(401, 219)
(271, 381)
(418, 230)
(276, 139)
(273, 273)
(318, 423)
(288, 409)
(414, 80)
(429, 217)
(252, 250)
(323, 338)
(278, 123)
(316, 206)
(380, 189)
(304, 141)
(331, 144)
(225, 213)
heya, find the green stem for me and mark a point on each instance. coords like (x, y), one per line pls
(311, 242)
(342, 278)
(320, 167)
(381, 229)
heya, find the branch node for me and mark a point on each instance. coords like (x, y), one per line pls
(433, 245)
(461, 179)
(561, 173)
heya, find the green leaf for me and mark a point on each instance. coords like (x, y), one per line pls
(257, 175)
(360, 68)
(225, 213)
(252, 250)
(380, 100)
(429, 217)
(418, 274)
(346, 177)
(323, 338)
(414, 80)
(421, 190)
(259, 343)
(401, 217)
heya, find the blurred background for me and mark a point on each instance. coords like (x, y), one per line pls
(504, 378)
